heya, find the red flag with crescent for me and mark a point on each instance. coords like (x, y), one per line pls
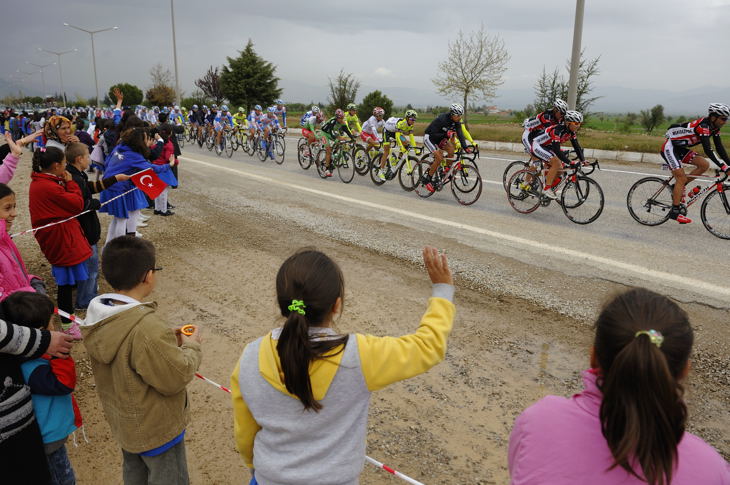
(148, 182)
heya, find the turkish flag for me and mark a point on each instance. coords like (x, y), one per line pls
(148, 182)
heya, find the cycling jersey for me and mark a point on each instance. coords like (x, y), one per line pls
(398, 125)
(437, 131)
(334, 128)
(371, 127)
(682, 135)
(210, 117)
(541, 121)
(546, 143)
(311, 123)
(353, 122)
(268, 121)
(304, 118)
(239, 119)
(222, 120)
(281, 113)
(254, 119)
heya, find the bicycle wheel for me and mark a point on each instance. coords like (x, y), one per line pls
(374, 169)
(510, 170)
(279, 148)
(421, 189)
(346, 166)
(219, 147)
(304, 154)
(525, 191)
(582, 201)
(181, 141)
(253, 144)
(319, 163)
(210, 142)
(649, 201)
(409, 174)
(715, 214)
(229, 144)
(466, 183)
(361, 160)
(262, 149)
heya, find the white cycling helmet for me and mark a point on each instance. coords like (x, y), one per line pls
(561, 106)
(573, 116)
(224, 108)
(719, 109)
(257, 107)
(456, 109)
(279, 101)
(315, 109)
(272, 109)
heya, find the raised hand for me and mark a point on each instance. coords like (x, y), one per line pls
(437, 266)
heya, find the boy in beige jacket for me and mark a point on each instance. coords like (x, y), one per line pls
(141, 367)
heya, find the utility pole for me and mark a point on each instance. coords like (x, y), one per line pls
(43, 77)
(60, 71)
(575, 59)
(174, 53)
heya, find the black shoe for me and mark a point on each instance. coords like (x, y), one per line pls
(170, 206)
(166, 213)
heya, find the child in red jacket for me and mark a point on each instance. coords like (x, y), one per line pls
(166, 157)
(53, 197)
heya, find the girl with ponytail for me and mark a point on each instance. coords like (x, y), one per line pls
(54, 196)
(301, 393)
(628, 425)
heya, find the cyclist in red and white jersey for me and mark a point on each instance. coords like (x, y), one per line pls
(542, 121)
(369, 133)
(675, 152)
(546, 146)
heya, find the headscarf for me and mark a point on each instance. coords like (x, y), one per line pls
(50, 129)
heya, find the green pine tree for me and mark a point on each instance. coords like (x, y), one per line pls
(373, 99)
(249, 80)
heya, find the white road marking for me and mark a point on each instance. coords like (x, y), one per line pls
(571, 254)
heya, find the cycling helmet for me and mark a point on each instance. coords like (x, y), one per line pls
(573, 116)
(561, 106)
(339, 113)
(272, 109)
(279, 101)
(195, 106)
(224, 108)
(205, 107)
(315, 109)
(351, 106)
(177, 107)
(240, 109)
(257, 107)
(214, 106)
(411, 113)
(719, 109)
(456, 109)
(378, 111)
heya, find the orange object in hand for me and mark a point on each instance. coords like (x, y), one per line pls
(188, 329)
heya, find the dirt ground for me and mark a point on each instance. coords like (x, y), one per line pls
(450, 425)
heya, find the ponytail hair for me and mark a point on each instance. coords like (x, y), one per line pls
(43, 158)
(643, 415)
(316, 281)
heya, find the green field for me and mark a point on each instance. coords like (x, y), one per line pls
(601, 132)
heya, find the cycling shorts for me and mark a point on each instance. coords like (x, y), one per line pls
(388, 136)
(541, 152)
(307, 133)
(526, 142)
(434, 142)
(365, 136)
(675, 156)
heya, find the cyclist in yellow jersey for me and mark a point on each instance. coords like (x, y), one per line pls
(240, 120)
(397, 128)
(468, 137)
(352, 120)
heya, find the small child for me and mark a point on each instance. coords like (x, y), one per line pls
(301, 393)
(78, 163)
(628, 424)
(141, 366)
(54, 196)
(51, 383)
(166, 157)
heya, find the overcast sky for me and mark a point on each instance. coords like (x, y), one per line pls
(658, 45)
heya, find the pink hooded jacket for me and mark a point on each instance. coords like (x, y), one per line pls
(559, 441)
(13, 275)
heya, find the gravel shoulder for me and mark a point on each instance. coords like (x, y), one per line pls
(522, 331)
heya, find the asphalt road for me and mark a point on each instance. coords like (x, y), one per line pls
(681, 261)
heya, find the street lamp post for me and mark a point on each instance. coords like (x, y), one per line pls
(174, 53)
(60, 71)
(575, 59)
(43, 77)
(93, 51)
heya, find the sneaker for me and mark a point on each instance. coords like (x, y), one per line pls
(166, 213)
(72, 329)
(677, 216)
(430, 187)
(550, 194)
(381, 174)
(328, 172)
(142, 224)
(144, 218)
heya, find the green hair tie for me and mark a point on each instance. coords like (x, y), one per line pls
(655, 336)
(298, 306)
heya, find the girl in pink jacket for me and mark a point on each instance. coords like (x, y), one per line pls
(628, 425)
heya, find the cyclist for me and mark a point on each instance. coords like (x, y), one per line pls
(437, 138)
(397, 129)
(542, 121)
(280, 111)
(254, 118)
(239, 119)
(310, 124)
(352, 120)
(269, 122)
(675, 152)
(194, 118)
(222, 121)
(369, 133)
(332, 130)
(546, 147)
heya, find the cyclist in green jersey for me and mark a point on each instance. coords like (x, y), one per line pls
(239, 119)
(333, 129)
(397, 129)
(352, 120)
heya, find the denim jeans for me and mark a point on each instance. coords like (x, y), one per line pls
(88, 289)
(60, 467)
(168, 468)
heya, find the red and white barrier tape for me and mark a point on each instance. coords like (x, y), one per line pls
(73, 318)
(29, 231)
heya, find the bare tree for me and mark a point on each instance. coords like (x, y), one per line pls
(551, 86)
(343, 90)
(210, 84)
(474, 67)
(161, 76)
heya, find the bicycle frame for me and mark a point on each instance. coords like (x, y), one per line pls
(716, 183)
